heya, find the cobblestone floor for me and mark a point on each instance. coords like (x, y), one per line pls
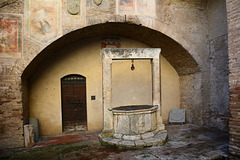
(184, 142)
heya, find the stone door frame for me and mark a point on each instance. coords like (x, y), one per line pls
(110, 54)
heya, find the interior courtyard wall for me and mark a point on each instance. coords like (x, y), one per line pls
(194, 88)
(190, 94)
(184, 21)
(233, 18)
(131, 87)
(84, 58)
(218, 46)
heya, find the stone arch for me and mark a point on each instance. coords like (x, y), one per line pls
(179, 57)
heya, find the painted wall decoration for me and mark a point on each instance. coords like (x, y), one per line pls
(43, 20)
(73, 6)
(110, 42)
(136, 7)
(146, 7)
(10, 36)
(99, 4)
(126, 6)
(73, 20)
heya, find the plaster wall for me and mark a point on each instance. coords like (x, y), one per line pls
(83, 57)
(128, 84)
(170, 89)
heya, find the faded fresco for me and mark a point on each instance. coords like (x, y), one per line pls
(110, 42)
(146, 7)
(126, 6)
(10, 36)
(104, 4)
(74, 13)
(136, 7)
(43, 19)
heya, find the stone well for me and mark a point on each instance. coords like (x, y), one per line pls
(132, 127)
(135, 127)
(130, 122)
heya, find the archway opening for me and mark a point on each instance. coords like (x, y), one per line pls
(50, 60)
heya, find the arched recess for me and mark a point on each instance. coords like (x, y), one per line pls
(175, 54)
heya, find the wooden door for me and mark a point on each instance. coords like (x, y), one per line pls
(74, 113)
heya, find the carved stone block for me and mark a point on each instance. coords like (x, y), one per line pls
(73, 6)
(177, 116)
(28, 135)
(35, 123)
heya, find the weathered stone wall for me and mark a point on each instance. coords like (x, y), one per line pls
(233, 17)
(191, 98)
(219, 111)
(194, 88)
(187, 49)
(218, 58)
(11, 124)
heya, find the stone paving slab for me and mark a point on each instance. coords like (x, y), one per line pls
(185, 142)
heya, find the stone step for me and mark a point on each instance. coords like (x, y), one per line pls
(160, 138)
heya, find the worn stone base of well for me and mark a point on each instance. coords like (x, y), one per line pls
(155, 138)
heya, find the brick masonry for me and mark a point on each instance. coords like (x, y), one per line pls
(233, 16)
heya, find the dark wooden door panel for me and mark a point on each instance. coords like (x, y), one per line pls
(74, 111)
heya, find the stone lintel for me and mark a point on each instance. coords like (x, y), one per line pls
(132, 53)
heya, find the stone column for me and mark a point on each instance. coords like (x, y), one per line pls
(107, 96)
(156, 90)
